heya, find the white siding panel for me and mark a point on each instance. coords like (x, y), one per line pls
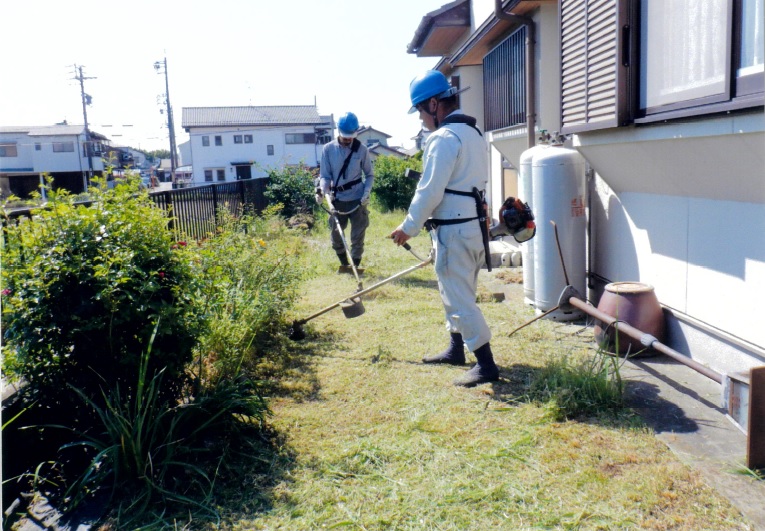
(726, 271)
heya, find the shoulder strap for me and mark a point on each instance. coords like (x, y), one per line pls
(355, 145)
(462, 119)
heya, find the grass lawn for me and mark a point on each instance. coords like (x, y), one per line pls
(372, 439)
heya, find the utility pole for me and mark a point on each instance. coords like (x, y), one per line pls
(86, 100)
(161, 66)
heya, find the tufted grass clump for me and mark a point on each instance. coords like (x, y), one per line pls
(572, 386)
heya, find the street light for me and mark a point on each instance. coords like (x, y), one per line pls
(160, 67)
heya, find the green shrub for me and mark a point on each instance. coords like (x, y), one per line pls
(292, 187)
(392, 189)
(84, 287)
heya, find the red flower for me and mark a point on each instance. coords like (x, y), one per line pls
(161, 274)
(6, 292)
(182, 244)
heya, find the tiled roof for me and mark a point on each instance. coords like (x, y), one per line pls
(365, 128)
(241, 116)
(44, 130)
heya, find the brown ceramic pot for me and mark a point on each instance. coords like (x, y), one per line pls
(635, 304)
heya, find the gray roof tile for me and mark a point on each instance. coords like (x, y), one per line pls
(244, 116)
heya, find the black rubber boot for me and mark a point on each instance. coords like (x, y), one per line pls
(484, 371)
(454, 355)
(357, 262)
(343, 258)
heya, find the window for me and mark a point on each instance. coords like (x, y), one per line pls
(597, 47)
(208, 175)
(218, 140)
(206, 141)
(221, 174)
(651, 60)
(504, 81)
(237, 139)
(248, 139)
(684, 54)
(8, 150)
(38, 146)
(270, 149)
(300, 138)
(63, 147)
(751, 65)
(700, 57)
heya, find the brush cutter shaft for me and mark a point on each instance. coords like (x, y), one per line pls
(342, 237)
(422, 264)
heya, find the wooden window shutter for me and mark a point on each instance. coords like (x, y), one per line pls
(597, 51)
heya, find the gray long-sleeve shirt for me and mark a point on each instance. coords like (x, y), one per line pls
(332, 157)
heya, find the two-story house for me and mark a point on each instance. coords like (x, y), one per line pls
(233, 143)
(664, 103)
(65, 152)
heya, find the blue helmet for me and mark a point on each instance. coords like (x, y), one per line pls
(431, 83)
(347, 125)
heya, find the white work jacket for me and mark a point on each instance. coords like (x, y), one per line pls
(456, 156)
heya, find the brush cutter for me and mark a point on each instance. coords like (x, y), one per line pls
(336, 225)
(352, 306)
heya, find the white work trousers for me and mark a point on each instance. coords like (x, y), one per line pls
(459, 257)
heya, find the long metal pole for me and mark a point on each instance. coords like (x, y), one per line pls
(170, 125)
(645, 339)
(88, 150)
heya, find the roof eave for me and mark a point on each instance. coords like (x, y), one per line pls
(440, 27)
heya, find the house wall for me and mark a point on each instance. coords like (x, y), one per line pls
(24, 159)
(212, 156)
(471, 101)
(30, 160)
(46, 160)
(682, 207)
(371, 136)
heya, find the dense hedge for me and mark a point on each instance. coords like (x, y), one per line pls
(392, 189)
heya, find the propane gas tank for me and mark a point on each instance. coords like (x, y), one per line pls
(558, 189)
(525, 193)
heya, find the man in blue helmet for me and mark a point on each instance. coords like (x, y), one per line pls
(455, 171)
(345, 179)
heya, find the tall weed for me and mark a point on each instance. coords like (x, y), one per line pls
(249, 276)
(589, 385)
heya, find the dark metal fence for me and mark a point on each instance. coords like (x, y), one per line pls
(193, 211)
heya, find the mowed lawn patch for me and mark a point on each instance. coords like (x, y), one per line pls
(373, 439)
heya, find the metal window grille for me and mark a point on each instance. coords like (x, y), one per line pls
(504, 81)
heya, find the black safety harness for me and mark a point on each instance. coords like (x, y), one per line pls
(480, 202)
(347, 186)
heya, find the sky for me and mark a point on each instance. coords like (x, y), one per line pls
(342, 55)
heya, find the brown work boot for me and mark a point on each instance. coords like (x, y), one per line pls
(484, 371)
(453, 355)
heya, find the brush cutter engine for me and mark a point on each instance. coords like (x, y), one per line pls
(515, 219)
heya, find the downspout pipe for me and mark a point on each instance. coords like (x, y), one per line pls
(531, 121)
